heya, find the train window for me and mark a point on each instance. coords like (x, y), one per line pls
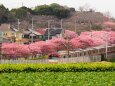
(79, 54)
(89, 52)
(113, 48)
(93, 51)
(64, 56)
(84, 53)
(70, 55)
(99, 50)
(96, 51)
(102, 50)
(76, 55)
(109, 49)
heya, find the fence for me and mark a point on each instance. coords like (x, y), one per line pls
(60, 60)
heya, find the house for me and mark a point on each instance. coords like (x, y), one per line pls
(18, 35)
(10, 34)
(29, 34)
(42, 32)
(5, 28)
(53, 32)
(7, 32)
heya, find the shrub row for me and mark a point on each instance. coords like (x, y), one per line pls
(77, 67)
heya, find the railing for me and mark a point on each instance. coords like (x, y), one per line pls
(60, 60)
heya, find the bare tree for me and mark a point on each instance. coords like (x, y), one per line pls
(85, 7)
(107, 14)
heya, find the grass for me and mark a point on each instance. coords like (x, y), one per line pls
(58, 79)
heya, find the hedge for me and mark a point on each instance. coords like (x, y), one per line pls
(76, 67)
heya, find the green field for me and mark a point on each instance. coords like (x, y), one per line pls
(58, 79)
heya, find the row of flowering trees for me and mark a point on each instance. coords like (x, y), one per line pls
(71, 41)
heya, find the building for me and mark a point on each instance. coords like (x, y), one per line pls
(7, 32)
(53, 32)
(18, 36)
(32, 35)
(10, 34)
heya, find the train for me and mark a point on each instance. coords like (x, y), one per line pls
(92, 51)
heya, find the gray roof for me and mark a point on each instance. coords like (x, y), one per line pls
(53, 31)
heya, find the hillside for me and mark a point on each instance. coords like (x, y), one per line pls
(84, 20)
(51, 15)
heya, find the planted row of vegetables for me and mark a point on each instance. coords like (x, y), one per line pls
(76, 67)
(58, 79)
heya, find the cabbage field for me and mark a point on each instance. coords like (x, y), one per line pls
(58, 79)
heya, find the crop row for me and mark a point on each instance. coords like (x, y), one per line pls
(58, 79)
(76, 67)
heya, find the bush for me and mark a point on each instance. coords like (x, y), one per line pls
(77, 67)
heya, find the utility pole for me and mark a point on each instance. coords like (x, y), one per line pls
(90, 28)
(18, 29)
(1, 51)
(22, 4)
(1, 39)
(75, 26)
(48, 29)
(61, 23)
(63, 31)
(18, 24)
(68, 46)
(32, 31)
(106, 43)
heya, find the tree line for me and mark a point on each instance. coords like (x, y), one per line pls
(54, 9)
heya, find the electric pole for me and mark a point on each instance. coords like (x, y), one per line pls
(106, 43)
(32, 31)
(18, 24)
(48, 29)
(1, 39)
(68, 46)
(63, 31)
(1, 50)
(75, 26)
(61, 23)
(22, 4)
(90, 28)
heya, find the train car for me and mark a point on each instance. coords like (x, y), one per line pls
(100, 50)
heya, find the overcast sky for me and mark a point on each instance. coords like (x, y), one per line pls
(99, 5)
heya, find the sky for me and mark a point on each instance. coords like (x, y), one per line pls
(100, 5)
